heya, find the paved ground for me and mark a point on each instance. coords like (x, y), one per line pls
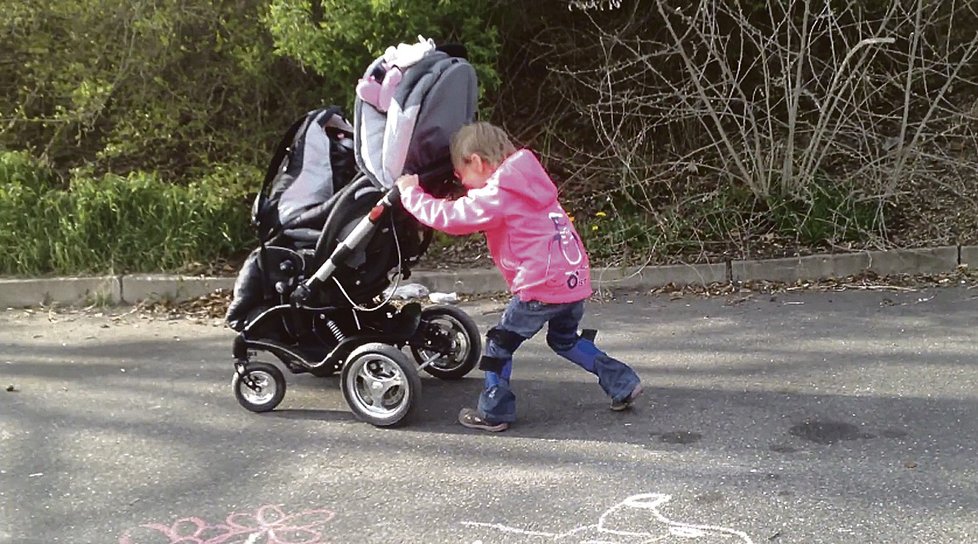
(815, 417)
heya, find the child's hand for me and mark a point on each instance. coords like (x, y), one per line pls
(407, 180)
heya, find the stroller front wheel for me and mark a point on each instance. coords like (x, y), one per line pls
(380, 385)
(260, 387)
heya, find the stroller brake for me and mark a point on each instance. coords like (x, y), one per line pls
(429, 361)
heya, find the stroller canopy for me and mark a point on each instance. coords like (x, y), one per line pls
(311, 163)
(409, 103)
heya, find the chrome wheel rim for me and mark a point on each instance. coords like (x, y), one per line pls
(264, 387)
(378, 385)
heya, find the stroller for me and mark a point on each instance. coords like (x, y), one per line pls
(334, 243)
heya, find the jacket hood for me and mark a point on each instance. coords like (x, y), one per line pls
(523, 175)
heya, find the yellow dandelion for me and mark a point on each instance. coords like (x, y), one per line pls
(594, 227)
(601, 214)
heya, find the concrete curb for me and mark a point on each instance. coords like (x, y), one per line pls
(469, 282)
(658, 276)
(15, 293)
(790, 270)
(817, 267)
(920, 261)
(138, 288)
(18, 293)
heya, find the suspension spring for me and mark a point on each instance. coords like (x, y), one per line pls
(335, 329)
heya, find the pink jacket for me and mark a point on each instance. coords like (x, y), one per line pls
(529, 235)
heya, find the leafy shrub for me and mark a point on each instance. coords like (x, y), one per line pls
(832, 214)
(338, 39)
(116, 224)
(19, 167)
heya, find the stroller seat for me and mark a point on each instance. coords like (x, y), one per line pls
(292, 254)
(305, 232)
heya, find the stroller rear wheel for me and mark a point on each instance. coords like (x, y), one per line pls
(260, 387)
(450, 345)
(381, 386)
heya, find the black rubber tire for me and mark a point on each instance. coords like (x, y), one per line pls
(259, 371)
(357, 381)
(473, 340)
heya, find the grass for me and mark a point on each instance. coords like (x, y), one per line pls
(725, 222)
(115, 224)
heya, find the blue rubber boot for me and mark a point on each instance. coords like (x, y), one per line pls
(616, 378)
(497, 402)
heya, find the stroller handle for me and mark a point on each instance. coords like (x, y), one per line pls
(361, 232)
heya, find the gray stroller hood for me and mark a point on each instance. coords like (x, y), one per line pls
(411, 133)
(311, 163)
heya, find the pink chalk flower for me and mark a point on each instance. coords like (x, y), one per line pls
(183, 531)
(269, 525)
(273, 526)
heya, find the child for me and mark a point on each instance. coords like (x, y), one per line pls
(513, 200)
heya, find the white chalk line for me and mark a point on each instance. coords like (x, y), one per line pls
(644, 501)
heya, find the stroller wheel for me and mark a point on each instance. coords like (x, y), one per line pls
(450, 343)
(381, 386)
(260, 388)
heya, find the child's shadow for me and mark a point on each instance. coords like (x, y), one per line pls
(546, 409)
(312, 415)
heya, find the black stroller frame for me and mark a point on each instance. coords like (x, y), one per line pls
(444, 340)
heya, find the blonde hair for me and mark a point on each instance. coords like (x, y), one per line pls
(483, 139)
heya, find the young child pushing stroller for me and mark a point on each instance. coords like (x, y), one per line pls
(512, 199)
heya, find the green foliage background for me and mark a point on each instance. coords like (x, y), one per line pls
(133, 133)
(117, 223)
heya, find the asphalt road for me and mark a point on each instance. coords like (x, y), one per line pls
(802, 417)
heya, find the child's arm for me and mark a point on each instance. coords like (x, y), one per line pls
(469, 214)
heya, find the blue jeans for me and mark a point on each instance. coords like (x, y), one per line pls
(520, 322)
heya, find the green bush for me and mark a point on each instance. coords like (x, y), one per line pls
(120, 224)
(621, 234)
(727, 221)
(117, 86)
(830, 214)
(120, 86)
(338, 39)
(20, 168)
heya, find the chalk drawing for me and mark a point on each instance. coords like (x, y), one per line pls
(637, 509)
(268, 525)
